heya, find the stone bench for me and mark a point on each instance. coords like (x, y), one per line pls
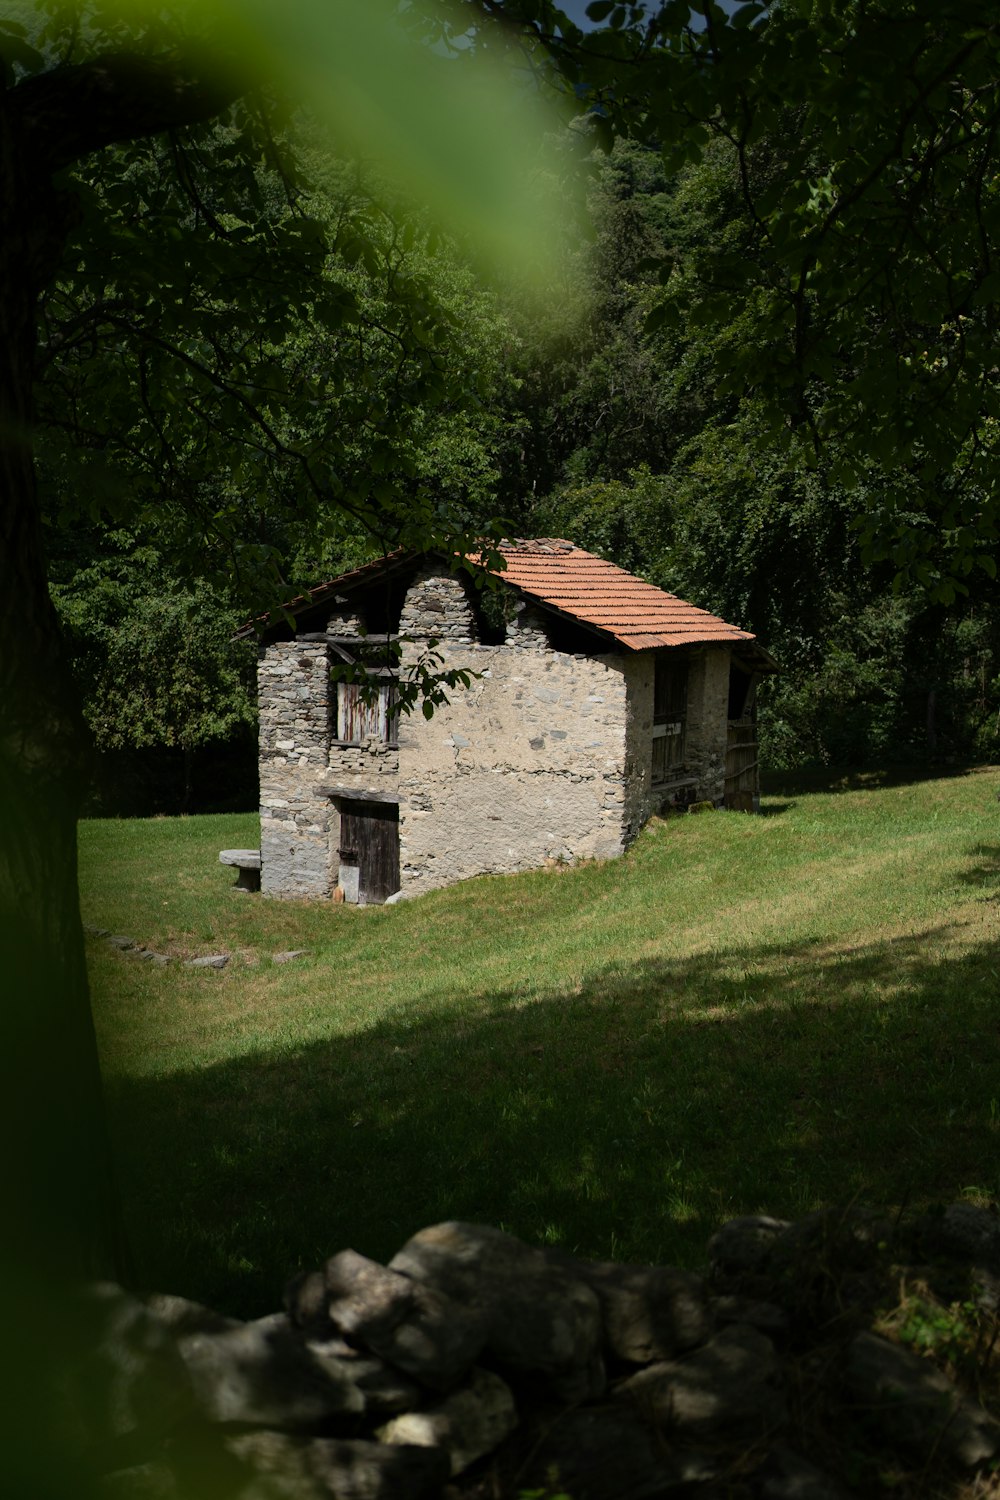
(247, 861)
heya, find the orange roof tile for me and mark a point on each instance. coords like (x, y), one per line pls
(636, 614)
(564, 577)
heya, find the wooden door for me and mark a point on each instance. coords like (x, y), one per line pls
(369, 838)
(742, 792)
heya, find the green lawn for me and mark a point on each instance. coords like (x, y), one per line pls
(742, 1014)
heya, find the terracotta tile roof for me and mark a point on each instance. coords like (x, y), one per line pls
(564, 577)
(637, 614)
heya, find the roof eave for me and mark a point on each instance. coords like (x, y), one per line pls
(265, 627)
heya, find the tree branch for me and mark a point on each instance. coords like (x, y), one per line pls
(68, 113)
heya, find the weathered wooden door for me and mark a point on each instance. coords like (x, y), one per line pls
(369, 838)
(742, 792)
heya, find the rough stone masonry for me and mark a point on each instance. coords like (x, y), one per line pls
(844, 1355)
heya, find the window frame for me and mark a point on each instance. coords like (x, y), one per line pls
(375, 721)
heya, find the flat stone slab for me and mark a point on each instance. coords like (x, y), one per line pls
(248, 859)
(150, 955)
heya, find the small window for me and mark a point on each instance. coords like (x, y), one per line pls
(362, 717)
(670, 686)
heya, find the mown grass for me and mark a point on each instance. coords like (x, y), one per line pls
(742, 1014)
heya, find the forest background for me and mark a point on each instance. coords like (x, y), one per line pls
(594, 410)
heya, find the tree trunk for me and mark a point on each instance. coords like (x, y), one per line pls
(61, 1220)
(59, 1204)
(60, 1207)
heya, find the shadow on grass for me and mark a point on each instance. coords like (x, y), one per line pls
(857, 779)
(986, 871)
(626, 1118)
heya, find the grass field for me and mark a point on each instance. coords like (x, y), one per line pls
(742, 1014)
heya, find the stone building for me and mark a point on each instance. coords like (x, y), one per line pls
(594, 701)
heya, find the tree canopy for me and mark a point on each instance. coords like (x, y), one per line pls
(865, 136)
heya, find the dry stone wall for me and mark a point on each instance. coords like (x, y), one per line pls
(525, 766)
(475, 1367)
(345, 624)
(368, 765)
(437, 607)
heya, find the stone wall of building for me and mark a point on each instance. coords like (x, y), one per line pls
(705, 733)
(345, 624)
(526, 630)
(367, 767)
(708, 721)
(437, 607)
(524, 766)
(294, 692)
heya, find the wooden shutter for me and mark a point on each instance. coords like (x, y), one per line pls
(358, 720)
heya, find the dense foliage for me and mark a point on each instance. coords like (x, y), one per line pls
(685, 483)
(251, 441)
